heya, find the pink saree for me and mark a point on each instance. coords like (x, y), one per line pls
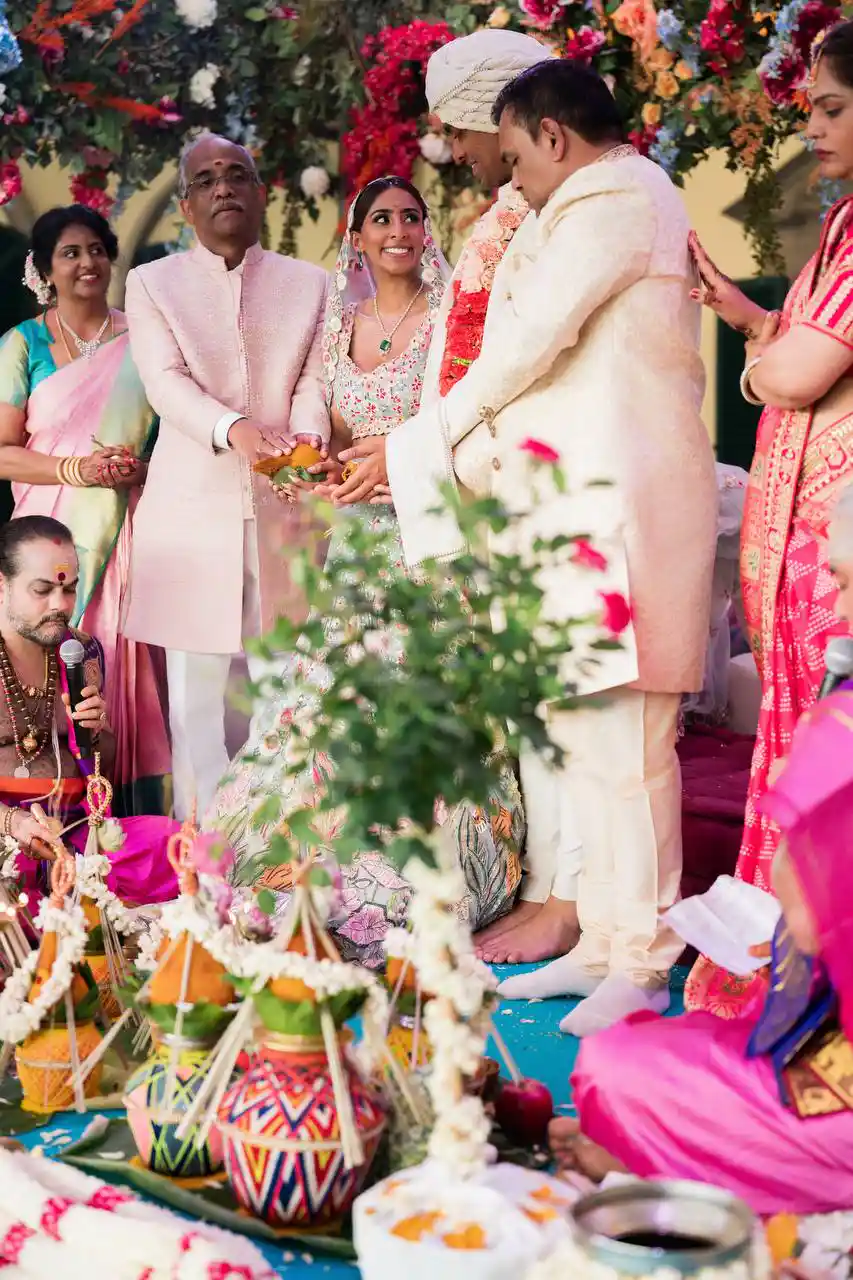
(802, 463)
(102, 399)
(645, 1089)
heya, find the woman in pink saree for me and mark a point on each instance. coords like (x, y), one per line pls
(74, 429)
(801, 372)
(761, 1106)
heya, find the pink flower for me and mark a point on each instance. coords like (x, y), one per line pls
(10, 181)
(211, 854)
(582, 45)
(89, 189)
(539, 450)
(616, 612)
(542, 13)
(586, 556)
(367, 925)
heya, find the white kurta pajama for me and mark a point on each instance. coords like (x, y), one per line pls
(591, 346)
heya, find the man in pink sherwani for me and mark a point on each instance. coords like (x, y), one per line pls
(227, 340)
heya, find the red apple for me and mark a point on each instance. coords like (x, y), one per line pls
(523, 1111)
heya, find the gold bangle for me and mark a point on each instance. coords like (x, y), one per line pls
(74, 473)
(8, 818)
(61, 476)
(745, 389)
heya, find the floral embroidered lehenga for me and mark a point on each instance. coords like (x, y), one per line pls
(372, 894)
(803, 460)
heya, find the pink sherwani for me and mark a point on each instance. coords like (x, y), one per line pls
(198, 362)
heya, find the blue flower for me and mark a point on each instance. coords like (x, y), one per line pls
(670, 30)
(665, 148)
(788, 17)
(10, 53)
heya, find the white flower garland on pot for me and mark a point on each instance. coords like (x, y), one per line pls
(20, 1017)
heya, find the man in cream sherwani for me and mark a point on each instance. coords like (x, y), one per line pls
(227, 340)
(591, 345)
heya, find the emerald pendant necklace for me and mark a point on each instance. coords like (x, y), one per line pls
(388, 336)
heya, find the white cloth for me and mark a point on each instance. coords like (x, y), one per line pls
(553, 849)
(198, 690)
(464, 77)
(624, 783)
(226, 422)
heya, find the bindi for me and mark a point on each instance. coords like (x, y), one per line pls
(61, 571)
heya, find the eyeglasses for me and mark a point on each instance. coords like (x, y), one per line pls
(236, 176)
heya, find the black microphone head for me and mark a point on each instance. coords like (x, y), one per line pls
(72, 652)
(838, 658)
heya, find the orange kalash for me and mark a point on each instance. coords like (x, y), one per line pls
(206, 980)
(302, 457)
(294, 988)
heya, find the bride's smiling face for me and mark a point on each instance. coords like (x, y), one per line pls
(392, 234)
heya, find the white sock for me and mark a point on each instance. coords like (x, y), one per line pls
(615, 998)
(565, 976)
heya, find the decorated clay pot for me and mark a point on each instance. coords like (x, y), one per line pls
(100, 969)
(44, 1067)
(155, 1127)
(281, 1137)
(401, 1042)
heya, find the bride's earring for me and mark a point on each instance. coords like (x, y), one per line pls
(359, 260)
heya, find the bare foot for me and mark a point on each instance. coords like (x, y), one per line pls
(573, 1153)
(517, 915)
(552, 931)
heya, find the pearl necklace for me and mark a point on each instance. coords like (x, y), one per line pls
(388, 336)
(86, 347)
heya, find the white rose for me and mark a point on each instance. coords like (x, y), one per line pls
(201, 85)
(300, 71)
(197, 14)
(314, 181)
(435, 149)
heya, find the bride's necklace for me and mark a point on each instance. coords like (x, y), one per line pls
(388, 334)
(86, 347)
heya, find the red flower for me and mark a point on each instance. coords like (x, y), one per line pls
(723, 35)
(542, 13)
(643, 138)
(814, 17)
(787, 77)
(582, 45)
(89, 188)
(586, 556)
(10, 181)
(616, 612)
(539, 450)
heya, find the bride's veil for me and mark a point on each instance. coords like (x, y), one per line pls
(352, 283)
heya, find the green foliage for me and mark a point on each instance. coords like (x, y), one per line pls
(400, 735)
(300, 1017)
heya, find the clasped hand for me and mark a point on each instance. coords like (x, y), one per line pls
(368, 481)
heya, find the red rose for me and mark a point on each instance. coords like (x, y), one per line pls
(586, 556)
(616, 612)
(539, 450)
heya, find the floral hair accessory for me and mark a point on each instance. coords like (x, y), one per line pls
(35, 282)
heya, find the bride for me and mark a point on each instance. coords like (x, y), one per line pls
(387, 288)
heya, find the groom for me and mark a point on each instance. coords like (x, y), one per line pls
(591, 345)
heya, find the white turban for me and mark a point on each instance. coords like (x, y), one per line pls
(464, 77)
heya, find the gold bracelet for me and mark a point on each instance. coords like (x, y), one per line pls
(68, 472)
(7, 823)
(745, 389)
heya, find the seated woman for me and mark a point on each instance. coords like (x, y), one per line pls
(75, 427)
(761, 1106)
(388, 285)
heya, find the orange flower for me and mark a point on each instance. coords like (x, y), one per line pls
(638, 20)
(666, 85)
(651, 114)
(661, 59)
(683, 70)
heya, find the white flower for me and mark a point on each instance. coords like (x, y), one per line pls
(301, 70)
(2, 92)
(197, 14)
(435, 149)
(111, 836)
(201, 85)
(314, 181)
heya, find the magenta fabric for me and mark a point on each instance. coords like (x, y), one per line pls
(678, 1098)
(812, 802)
(715, 767)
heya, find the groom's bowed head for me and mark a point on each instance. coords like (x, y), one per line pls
(463, 81)
(552, 120)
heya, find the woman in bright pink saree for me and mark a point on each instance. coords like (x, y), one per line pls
(803, 459)
(74, 429)
(761, 1106)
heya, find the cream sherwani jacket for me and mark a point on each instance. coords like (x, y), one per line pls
(591, 345)
(197, 364)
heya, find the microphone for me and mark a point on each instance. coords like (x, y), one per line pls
(71, 653)
(838, 660)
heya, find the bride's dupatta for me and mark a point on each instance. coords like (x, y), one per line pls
(102, 398)
(820, 298)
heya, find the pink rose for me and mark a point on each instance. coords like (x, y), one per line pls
(586, 556)
(539, 450)
(616, 612)
(211, 855)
